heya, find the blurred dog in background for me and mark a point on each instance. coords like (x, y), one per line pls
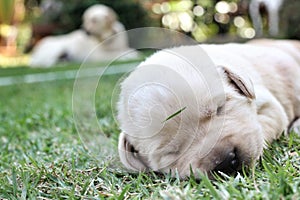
(272, 7)
(102, 38)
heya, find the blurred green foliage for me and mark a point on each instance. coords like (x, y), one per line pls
(202, 19)
(6, 11)
(290, 19)
(224, 20)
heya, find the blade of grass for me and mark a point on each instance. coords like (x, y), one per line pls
(122, 195)
(14, 179)
(210, 186)
(173, 115)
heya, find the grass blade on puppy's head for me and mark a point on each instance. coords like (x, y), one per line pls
(174, 114)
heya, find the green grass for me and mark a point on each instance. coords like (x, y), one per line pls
(42, 155)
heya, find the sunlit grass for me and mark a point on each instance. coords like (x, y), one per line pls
(14, 61)
(42, 156)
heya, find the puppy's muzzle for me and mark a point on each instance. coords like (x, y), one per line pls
(86, 31)
(227, 162)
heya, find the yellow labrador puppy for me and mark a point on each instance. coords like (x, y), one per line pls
(90, 44)
(208, 107)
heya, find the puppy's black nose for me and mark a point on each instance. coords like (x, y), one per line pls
(228, 163)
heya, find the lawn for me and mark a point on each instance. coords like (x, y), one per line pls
(47, 151)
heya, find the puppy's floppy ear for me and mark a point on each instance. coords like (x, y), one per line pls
(242, 84)
(129, 156)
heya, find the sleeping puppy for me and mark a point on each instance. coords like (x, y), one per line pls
(99, 23)
(210, 108)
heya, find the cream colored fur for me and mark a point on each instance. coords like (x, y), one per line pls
(248, 98)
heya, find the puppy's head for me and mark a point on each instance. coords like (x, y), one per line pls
(98, 21)
(173, 119)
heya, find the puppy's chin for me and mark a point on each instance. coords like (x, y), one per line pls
(87, 32)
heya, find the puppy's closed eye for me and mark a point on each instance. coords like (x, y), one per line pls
(94, 20)
(173, 153)
(220, 110)
(129, 156)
